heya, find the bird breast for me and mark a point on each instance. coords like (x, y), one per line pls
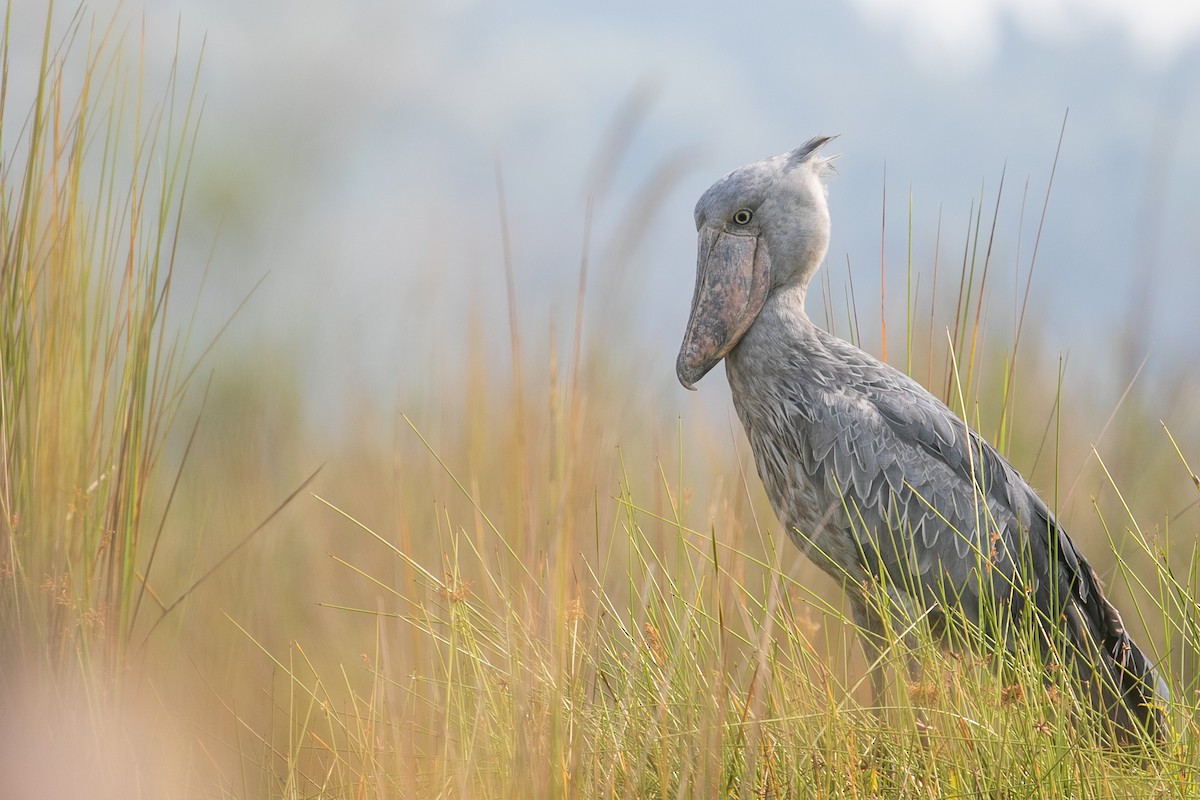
(771, 406)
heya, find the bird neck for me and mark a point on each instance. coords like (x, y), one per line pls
(771, 360)
(781, 325)
(786, 304)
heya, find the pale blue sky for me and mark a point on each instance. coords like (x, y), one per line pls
(347, 150)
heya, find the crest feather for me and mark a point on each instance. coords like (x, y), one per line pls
(807, 154)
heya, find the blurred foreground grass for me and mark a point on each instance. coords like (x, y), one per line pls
(525, 582)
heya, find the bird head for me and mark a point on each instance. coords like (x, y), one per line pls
(761, 227)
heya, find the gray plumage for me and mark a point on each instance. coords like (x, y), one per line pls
(875, 479)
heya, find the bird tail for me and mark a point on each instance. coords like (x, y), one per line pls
(1118, 677)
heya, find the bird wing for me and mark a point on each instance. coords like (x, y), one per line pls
(939, 507)
(925, 502)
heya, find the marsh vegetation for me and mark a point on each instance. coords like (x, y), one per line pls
(522, 578)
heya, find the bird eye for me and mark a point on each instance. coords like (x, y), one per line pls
(742, 216)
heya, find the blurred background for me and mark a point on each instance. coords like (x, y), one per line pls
(348, 157)
(367, 174)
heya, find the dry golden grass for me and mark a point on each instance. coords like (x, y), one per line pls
(530, 580)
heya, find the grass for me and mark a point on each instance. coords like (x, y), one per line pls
(92, 191)
(547, 587)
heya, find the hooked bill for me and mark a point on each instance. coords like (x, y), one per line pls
(732, 278)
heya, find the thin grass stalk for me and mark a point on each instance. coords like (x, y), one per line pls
(89, 366)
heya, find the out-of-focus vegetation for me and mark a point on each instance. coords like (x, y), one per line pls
(530, 579)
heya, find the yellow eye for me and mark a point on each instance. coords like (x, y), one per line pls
(743, 216)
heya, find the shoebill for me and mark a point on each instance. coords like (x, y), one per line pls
(874, 478)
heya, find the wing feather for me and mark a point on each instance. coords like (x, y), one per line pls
(967, 513)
